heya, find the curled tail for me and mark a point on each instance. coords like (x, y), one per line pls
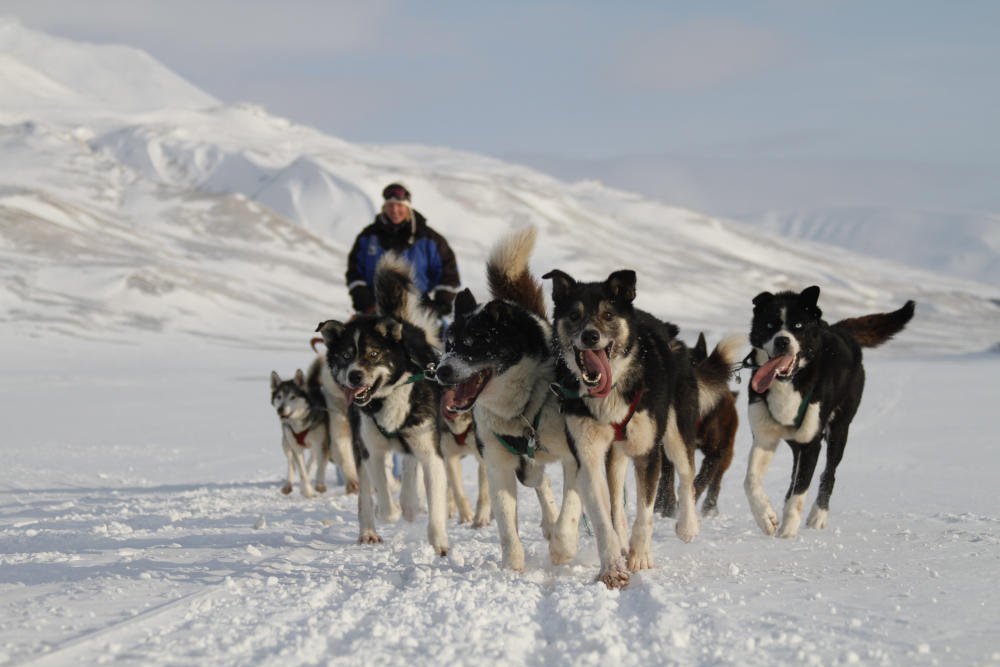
(397, 296)
(508, 275)
(714, 372)
(873, 330)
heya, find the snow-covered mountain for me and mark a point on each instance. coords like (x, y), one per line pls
(132, 202)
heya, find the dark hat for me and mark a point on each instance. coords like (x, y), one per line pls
(396, 192)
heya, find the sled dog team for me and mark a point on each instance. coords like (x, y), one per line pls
(593, 384)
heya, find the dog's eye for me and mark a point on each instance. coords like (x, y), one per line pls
(607, 316)
(575, 316)
(797, 325)
(770, 325)
(373, 355)
(347, 355)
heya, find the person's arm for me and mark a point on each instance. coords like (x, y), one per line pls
(442, 295)
(362, 298)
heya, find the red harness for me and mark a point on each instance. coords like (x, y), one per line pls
(620, 427)
(300, 437)
(460, 437)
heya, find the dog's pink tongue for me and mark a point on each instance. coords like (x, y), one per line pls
(596, 361)
(765, 375)
(349, 396)
(448, 403)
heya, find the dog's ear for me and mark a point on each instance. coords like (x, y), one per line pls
(763, 298)
(300, 378)
(701, 347)
(562, 283)
(331, 331)
(275, 380)
(622, 285)
(464, 302)
(808, 299)
(388, 327)
(499, 310)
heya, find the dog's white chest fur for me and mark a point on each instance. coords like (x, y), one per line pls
(784, 404)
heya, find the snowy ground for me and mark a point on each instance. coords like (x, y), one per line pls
(141, 523)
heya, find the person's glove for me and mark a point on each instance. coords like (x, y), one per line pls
(441, 303)
(362, 299)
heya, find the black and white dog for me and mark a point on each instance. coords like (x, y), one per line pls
(627, 390)
(498, 363)
(380, 360)
(806, 387)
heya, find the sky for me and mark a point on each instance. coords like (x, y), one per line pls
(715, 92)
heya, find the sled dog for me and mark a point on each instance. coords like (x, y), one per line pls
(458, 439)
(380, 359)
(715, 438)
(627, 391)
(806, 386)
(498, 363)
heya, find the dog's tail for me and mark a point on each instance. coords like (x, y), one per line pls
(714, 372)
(508, 275)
(873, 330)
(397, 296)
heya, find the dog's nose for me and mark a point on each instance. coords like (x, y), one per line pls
(590, 337)
(781, 343)
(355, 378)
(444, 374)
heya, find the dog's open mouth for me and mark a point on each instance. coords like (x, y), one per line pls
(595, 370)
(360, 396)
(776, 368)
(461, 397)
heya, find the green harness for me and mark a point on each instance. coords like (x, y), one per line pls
(800, 415)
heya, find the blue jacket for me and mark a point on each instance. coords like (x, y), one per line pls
(432, 259)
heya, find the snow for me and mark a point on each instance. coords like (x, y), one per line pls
(160, 259)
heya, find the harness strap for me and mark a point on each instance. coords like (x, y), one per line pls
(529, 450)
(620, 427)
(460, 437)
(802, 411)
(387, 434)
(300, 437)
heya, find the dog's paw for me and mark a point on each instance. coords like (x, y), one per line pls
(389, 514)
(308, 493)
(320, 488)
(765, 516)
(442, 551)
(562, 549)
(640, 560)
(817, 518)
(410, 513)
(286, 489)
(669, 511)
(513, 561)
(369, 537)
(352, 486)
(615, 575)
(465, 516)
(788, 530)
(481, 521)
(687, 528)
(709, 512)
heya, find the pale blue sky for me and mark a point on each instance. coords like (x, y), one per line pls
(912, 82)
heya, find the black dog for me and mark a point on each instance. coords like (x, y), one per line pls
(807, 385)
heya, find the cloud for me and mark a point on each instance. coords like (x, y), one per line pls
(697, 55)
